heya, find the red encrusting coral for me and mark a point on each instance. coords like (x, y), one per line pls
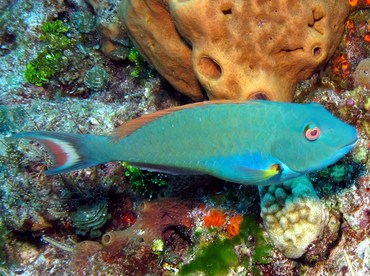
(123, 215)
(123, 252)
(82, 256)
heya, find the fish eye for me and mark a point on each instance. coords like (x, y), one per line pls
(312, 132)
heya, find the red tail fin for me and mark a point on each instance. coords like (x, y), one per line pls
(69, 150)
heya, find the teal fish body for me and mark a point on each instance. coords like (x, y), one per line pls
(257, 142)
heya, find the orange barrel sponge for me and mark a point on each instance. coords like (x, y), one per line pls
(235, 49)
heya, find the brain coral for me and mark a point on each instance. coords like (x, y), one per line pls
(362, 74)
(235, 49)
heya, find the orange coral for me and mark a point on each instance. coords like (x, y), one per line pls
(353, 3)
(341, 66)
(215, 218)
(359, 4)
(233, 226)
(367, 37)
(350, 25)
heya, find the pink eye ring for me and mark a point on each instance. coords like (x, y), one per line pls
(312, 132)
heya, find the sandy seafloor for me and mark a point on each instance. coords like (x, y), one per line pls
(43, 218)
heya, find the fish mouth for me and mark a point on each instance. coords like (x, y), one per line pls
(348, 147)
(353, 142)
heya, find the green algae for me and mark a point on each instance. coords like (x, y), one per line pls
(49, 61)
(158, 247)
(54, 28)
(144, 182)
(140, 65)
(138, 61)
(215, 259)
(221, 255)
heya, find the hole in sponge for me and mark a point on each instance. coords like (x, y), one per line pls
(316, 51)
(260, 96)
(151, 43)
(107, 239)
(227, 11)
(209, 68)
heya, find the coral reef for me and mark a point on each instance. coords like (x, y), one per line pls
(37, 232)
(89, 218)
(219, 257)
(293, 215)
(192, 42)
(233, 225)
(11, 117)
(148, 240)
(49, 61)
(348, 254)
(90, 257)
(215, 218)
(139, 62)
(362, 74)
(352, 49)
(154, 219)
(218, 218)
(247, 251)
(82, 255)
(3, 235)
(83, 21)
(336, 177)
(114, 43)
(96, 78)
(144, 182)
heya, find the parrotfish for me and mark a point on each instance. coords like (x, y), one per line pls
(255, 142)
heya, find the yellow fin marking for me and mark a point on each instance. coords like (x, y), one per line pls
(273, 170)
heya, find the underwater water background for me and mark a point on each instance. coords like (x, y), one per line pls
(69, 66)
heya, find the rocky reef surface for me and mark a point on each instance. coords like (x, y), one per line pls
(69, 66)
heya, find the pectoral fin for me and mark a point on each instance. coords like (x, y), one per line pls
(252, 175)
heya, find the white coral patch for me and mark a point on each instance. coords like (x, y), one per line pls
(300, 215)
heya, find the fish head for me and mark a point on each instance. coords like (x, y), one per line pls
(314, 139)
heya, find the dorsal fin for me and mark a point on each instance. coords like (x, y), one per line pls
(131, 126)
